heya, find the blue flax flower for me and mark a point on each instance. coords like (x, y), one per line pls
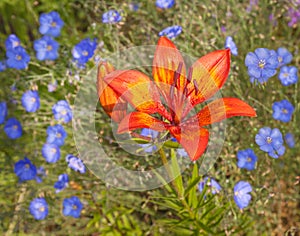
(229, 43)
(84, 50)
(164, 4)
(288, 75)
(246, 159)
(38, 208)
(181, 152)
(72, 207)
(149, 147)
(17, 58)
(283, 110)
(31, 101)
(51, 152)
(3, 112)
(40, 172)
(171, 32)
(46, 48)
(75, 163)
(289, 140)
(262, 64)
(52, 86)
(13, 128)
(214, 186)
(2, 65)
(62, 182)
(56, 135)
(50, 24)
(12, 42)
(241, 194)
(25, 170)
(284, 56)
(134, 6)
(111, 17)
(270, 141)
(62, 111)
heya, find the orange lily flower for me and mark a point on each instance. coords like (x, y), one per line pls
(166, 102)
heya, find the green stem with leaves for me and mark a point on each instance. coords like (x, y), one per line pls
(180, 194)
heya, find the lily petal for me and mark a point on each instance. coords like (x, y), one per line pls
(166, 63)
(114, 106)
(221, 109)
(193, 138)
(136, 88)
(136, 120)
(210, 73)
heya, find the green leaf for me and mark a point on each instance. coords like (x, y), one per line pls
(176, 172)
(166, 185)
(191, 190)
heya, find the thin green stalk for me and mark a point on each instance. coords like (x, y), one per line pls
(15, 218)
(174, 184)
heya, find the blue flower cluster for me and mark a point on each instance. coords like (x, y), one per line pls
(16, 55)
(111, 17)
(171, 32)
(164, 4)
(83, 51)
(31, 101)
(39, 208)
(12, 127)
(241, 190)
(229, 43)
(75, 163)
(270, 141)
(213, 186)
(62, 182)
(56, 134)
(263, 63)
(149, 148)
(25, 170)
(50, 26)
(46, 47)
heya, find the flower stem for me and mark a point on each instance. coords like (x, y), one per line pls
(15, 218)
(174, 183)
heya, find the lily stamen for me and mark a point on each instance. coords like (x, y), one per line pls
(177, 74)
(196, 86)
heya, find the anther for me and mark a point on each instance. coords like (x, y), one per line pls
(196, 86)
(177, 73)
(190, 74)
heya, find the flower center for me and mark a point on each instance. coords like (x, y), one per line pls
(279, 59)
(27, 166)
(33, 99)
(53, 150)
(85, 53)
(284, 111)
(49, 48)
(261, 64)
(15, 127)
(63, 112)
(58, 135)
(74, 207)
(42, 209)
(53, 24)
(15, 44)
(19, 58)
(285, 75)
(269, 140)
